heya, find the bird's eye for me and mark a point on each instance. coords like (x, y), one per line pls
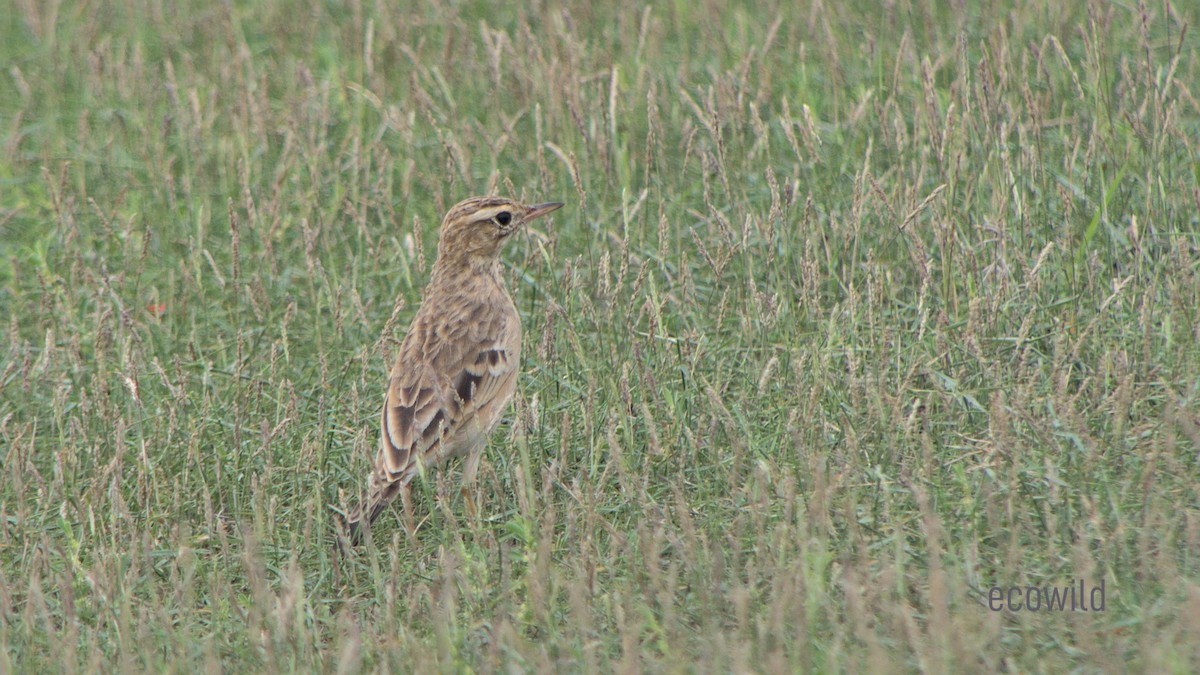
(504, 218)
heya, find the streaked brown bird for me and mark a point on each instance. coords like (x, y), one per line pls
(457, 367)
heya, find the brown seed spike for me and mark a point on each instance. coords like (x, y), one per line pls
(435, 423)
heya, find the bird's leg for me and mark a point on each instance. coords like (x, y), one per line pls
(470, 488)
(410, 522)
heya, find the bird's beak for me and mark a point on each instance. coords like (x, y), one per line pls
(539, 210)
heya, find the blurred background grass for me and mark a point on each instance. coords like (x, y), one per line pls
(855, 311)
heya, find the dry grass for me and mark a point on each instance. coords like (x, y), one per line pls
(853, 313)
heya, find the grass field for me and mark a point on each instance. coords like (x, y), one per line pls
(856, 312)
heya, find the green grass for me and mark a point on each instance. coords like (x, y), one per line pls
(855, 311)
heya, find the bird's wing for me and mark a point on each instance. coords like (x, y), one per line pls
(446, 393)
(452, 380)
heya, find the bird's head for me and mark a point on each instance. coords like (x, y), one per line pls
(476, 228)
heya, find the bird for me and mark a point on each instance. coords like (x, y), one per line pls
(456, 369)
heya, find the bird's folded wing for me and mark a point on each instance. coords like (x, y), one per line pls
(434, 407)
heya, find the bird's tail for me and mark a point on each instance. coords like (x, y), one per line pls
(368, 510)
